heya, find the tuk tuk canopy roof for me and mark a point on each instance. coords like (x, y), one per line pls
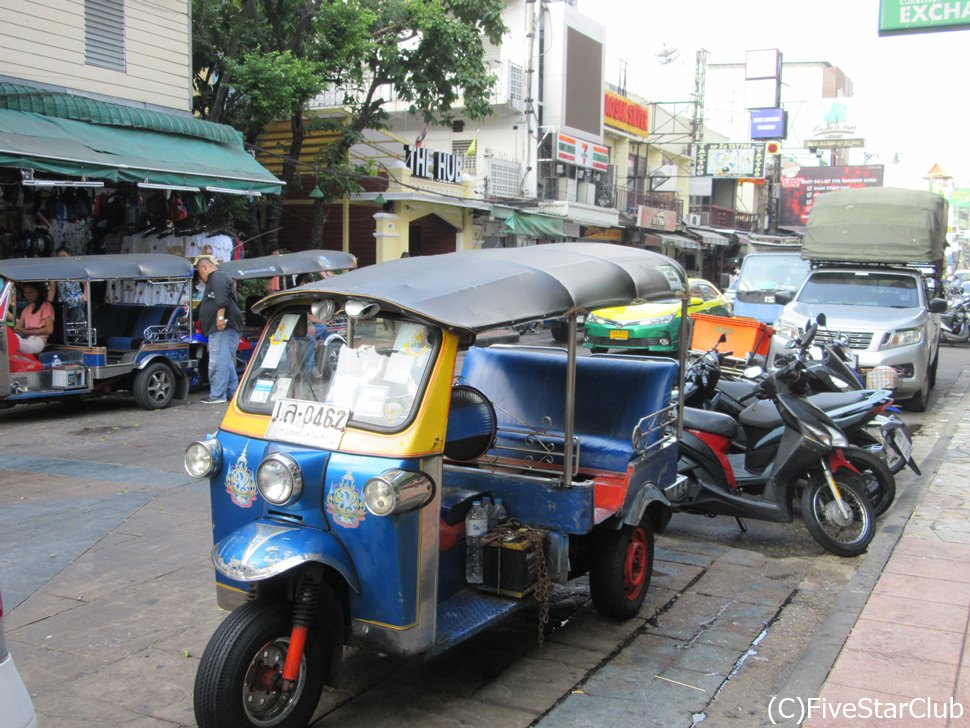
(285, 264)
(97, 267)
(478, 290)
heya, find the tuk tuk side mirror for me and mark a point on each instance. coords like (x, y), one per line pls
(361, 310)
(324, 310)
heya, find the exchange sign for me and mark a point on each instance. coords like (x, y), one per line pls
(922, 16)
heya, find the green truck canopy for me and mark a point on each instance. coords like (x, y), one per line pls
(876, 225)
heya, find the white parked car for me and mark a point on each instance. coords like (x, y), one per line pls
(16, 708)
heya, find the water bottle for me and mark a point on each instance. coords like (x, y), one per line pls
(476, 525)
(489, 512)
(499, 513)
(56, 361)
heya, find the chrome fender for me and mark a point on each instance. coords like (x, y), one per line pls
(262, 549)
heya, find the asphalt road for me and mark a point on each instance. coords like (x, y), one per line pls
(730, 614)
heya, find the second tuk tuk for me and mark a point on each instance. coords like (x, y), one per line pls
(340, 499)
(132, 341)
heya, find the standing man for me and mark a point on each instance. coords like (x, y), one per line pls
(222, 324)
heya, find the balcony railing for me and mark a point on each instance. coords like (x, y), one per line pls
(629, 200)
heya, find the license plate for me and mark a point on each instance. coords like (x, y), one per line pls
(619, 334)
(903, 444)
(308, 423)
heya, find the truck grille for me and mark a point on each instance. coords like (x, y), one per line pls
(857, 339)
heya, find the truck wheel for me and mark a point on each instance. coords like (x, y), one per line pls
(237, 682)
(154, 386)
(621, 570)
(919, 401)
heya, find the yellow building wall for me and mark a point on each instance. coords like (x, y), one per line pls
(43, 41)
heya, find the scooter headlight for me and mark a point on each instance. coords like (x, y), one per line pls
(279, 479)
(397, 491)
(203, 458)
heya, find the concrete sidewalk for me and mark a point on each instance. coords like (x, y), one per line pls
(906, 660)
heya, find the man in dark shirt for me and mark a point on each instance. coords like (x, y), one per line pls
(222, 324)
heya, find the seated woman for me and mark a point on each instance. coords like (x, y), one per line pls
(36, 321)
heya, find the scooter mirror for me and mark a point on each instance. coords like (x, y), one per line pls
(820, 319)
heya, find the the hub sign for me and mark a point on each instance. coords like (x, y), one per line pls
(923, 16)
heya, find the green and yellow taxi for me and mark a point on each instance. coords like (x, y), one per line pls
(651, 326)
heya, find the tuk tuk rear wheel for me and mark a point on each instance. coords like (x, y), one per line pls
(237, 685)
(154, 386)
(621, 570)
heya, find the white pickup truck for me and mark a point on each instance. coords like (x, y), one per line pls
(864, 245)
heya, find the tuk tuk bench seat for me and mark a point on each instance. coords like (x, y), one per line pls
(121, 326)
(613, 394)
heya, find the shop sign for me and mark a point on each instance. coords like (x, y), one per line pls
(437, 166)
(768, 124)
(614, 235)
(729, 160)
(656, 218)
(623, 114)
(812, 144)
(923, 16)
(801, 185)
(582, 153)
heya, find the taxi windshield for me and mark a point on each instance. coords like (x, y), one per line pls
(379, 379)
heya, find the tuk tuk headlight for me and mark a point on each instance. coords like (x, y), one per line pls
(203, 458)
(279, 479)
(397, 491)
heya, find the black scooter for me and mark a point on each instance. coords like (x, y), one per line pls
(763, 481)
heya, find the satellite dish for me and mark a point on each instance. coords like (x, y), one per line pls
(667, 55)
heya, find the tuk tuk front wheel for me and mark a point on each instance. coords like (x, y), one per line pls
(154, 386)
(621, 570)
(239, 677)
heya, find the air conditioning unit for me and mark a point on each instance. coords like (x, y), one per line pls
(694, 218)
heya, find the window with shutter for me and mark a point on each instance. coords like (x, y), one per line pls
(104, 34)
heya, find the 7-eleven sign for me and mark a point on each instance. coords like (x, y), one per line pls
(582, 153)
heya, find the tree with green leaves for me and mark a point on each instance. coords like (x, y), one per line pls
(256, 61)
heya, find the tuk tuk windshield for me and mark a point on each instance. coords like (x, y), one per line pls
(379, 379)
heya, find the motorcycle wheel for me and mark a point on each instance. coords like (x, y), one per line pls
(621, 570)
(824, 519)
(877, 479)
(234, 686)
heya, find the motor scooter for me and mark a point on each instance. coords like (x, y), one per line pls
(954, 322)
(807, 461)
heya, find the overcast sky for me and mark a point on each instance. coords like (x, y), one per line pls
(912, 93)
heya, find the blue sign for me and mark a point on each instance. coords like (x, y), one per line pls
(769, 124)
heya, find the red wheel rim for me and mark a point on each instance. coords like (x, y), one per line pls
(635, 565)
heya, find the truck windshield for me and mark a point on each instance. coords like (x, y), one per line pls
(859, 288)
(770, 272)
(379, 380)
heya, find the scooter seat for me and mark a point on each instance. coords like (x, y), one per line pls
(763, 415)
(826, 401)
(707, 421)
(737, 390)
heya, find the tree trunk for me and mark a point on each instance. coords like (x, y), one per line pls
(289, 176)
(319, 220)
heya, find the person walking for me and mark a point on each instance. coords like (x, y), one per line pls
(222, 324)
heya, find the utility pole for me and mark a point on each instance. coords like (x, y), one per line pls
(697, 97)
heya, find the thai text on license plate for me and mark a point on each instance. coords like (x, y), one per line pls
(619, 334)
(308, 423)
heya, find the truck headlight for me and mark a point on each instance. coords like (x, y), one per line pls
(279, 479)
(902, 337)
(786, 329)
(397, 491)
(203, 458)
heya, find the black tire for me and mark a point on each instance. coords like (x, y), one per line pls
(154, 386)
(919, 401)
(233, 660)
(876, 478)
(821, 515)
(933, 367)
(620, 573)
(560, 330)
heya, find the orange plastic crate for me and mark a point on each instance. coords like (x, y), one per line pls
(744, 335)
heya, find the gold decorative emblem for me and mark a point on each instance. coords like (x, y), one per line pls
(240, 482)
(345, 503)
